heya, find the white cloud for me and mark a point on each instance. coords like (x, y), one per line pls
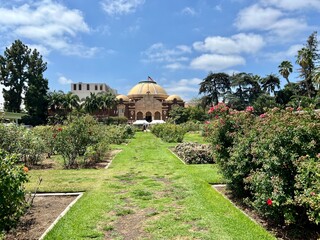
(158, 52)
(120, 7)
(188, 11)
(292, 5)
(184, 87)
(174, 66)
(48, 24)
(64, 81)
(257, 17)
(239, 43)
(216, 62)
(280, 24)
(282, 55)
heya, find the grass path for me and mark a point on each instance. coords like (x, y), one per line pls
(147, 193)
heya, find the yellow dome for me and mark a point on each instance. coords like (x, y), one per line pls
(123, 97)
(147, 87)
(172, 97)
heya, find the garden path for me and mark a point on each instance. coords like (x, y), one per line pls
(147, 193)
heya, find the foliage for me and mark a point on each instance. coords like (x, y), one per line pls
(307, 58)
(21, 71)
(14, 74)
(179, 114)
(194, 153)
(113, 120)
(264, 158)
(169, 132)
(117, 134)
(22, 141)
(12, 193)
(73, 139)
(36, 100)
(192, 126)
(215, 85)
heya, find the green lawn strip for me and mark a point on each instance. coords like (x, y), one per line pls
(65, 180)
(194, 137)
(148, 186)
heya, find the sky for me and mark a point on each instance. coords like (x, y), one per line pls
(175, 42)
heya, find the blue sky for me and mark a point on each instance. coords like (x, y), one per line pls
(176, 42)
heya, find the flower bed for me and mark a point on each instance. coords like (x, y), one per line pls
(194, 153)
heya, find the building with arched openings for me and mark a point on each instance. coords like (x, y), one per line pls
(147, 100)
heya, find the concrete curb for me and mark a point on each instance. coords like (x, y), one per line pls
(223, 185)
(177, 156)
(79, 194)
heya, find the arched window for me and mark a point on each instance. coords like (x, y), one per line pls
(139, 116)
(157, 116)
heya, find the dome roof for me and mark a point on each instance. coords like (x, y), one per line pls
(172, 97)
(147, 87)
(123, 97)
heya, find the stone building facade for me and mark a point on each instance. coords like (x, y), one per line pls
(147, 101)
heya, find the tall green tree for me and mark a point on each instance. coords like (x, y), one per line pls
(270, 83)
(36, 96)
(215, 86)
(70, 101)
(107, 101)
(14, 75)
(91, 103)
(285, 68)
(246, 90)
(308, 58)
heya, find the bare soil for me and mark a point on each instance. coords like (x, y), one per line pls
(281, 232)
(40, 216)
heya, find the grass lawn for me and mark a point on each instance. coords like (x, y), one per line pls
(194, 137)
(147, 193)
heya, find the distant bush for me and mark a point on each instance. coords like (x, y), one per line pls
(117, 134)
(19, 140)
(12, 193)
(192, 126)
(194, 153)
(169, 132)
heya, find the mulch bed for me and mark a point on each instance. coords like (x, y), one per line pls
(41, 215)
(280, 232)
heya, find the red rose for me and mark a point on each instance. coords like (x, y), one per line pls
(269, 202)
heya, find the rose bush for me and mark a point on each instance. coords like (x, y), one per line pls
(264, 160)
(12, 193)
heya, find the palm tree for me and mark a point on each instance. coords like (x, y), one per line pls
(71, 101)
(91, 103)
(307, 57)
(285, 68)
(56, 100)
(106, 101)
(215, 85)
(270, 83)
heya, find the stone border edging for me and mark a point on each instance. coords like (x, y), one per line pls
(177, 156)
(223, 185)
(64, 211)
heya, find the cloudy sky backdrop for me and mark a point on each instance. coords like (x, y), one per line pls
(177, 43)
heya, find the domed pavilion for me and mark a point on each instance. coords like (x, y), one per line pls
(147, 101)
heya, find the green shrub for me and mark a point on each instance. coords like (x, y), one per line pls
(194, 153)
(192, 126)
(169, 132)
(262, 159)
(117, 134)
(73, 139)
(19, 140)
(12, 193)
